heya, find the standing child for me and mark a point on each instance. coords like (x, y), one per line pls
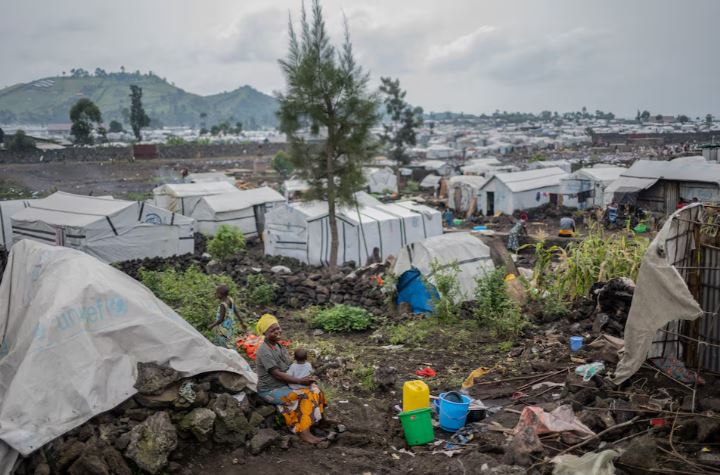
(223, 328)
(301, 368)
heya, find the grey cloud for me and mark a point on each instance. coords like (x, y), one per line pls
(555, 57)
(258, 36)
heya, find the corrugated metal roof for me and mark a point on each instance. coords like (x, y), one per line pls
(531, 179)
(683, 170)
(600, 173)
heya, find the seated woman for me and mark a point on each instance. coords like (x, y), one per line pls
(301, 408)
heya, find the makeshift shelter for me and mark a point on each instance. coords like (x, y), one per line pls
(430, 182)
(302, 230)
(243, 209)
(659, 185)
(182, 197)
(586, 187)
(111, 230)
(463, 192)
(564, 165)
(675, 307)
(507, 192)
(7, 209)
(414, 267)
(380, 180)
(209, 177)
(73, 331)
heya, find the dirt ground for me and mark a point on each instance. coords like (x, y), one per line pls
(120, 178)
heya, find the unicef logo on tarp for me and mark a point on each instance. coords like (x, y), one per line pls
(152, 218)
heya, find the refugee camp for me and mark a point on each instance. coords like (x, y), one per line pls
(371, 238)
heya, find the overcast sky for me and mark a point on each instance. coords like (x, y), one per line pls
(461, 55)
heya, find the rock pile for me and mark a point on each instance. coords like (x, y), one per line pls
(297, 285)
(613, 299)
(152, 431)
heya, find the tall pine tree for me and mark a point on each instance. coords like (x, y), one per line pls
(138, 117)
(400, 132)
(326, 99)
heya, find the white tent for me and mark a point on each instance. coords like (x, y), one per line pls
(209, 177)
(470, 254)
(73, 331)
(7, 209)
(430, 182)
(111, 230)
(244, 209)
(302, 230)
(380, 180)
(463, 191)
(507, 192)
(182, 197)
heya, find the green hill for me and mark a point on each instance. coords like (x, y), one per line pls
(49, 100)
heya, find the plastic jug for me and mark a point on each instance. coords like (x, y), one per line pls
(416, 395)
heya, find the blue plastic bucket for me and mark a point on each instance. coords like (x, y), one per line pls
(480, 228)
(576, 342)
(452, 414)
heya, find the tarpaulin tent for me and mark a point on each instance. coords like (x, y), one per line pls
(7, 209)
(244, 209)
(73, 331)
(209, 177)
(380, 180)
(463, 191)
(182, 197)
(302, 230)
(467, 251)
(111, 230)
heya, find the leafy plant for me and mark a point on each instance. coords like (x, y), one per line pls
(495, 309)
(227, 242)
(343, 318)
(411, 187)
(259, 292)
(365, 376)
(412, 333)
(446, 306)
(597, 258)
(191, 293)
(282, 165)
(175, 140)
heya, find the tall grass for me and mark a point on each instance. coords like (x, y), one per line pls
(597, 258)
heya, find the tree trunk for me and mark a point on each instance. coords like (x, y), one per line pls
(331, 198)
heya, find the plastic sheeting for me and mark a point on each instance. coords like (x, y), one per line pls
(470, 253)
(591, 463)
(661, 294)
(73, 330)
(111, 230)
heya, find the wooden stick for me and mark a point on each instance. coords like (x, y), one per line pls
(599, 434)
(541, 379)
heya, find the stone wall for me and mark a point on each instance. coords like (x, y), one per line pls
(101, 154)
(666, 138)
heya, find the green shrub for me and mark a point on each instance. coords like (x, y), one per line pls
(227, 242)
(411, 187)
(259, 292)
(412, 333)
(446, 307)
(343, 318)
(191, 293)
(175, 140)
(495, 309)
(365, 377)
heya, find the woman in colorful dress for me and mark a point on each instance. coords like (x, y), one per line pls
(301, 408)
(223, 328)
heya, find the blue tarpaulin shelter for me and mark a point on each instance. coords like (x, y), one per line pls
(412, 289)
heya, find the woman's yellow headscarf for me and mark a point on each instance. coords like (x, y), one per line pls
(265, 322)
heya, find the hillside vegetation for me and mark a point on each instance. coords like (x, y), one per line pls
(49, 100)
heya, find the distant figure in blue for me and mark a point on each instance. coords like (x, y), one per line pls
(612, 212)
(448, 217)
